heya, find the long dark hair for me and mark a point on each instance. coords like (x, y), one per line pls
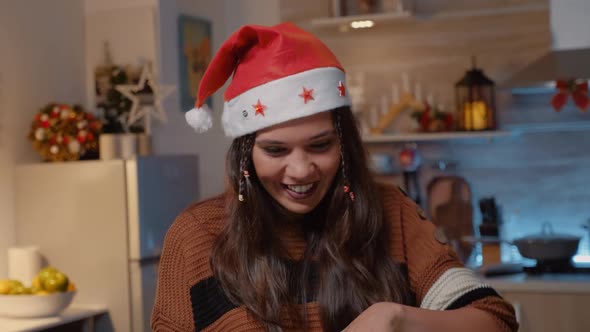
(349, 240)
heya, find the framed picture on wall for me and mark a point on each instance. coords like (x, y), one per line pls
(194, 57)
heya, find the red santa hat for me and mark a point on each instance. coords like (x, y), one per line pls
(280, 73)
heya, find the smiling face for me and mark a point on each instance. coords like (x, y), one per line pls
(296, 161)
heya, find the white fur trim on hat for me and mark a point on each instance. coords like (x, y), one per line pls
(199, 118)
(282, 101)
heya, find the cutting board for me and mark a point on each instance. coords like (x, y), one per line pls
(450, 206)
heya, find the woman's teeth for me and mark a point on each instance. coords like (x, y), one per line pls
(300, 189)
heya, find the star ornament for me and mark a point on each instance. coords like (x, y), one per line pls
(307, 95)
(144, 107)
(341, 89)
(259, 108)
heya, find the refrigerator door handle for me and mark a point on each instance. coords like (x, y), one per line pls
(146, 260)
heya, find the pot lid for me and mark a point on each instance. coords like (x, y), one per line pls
(548, 235)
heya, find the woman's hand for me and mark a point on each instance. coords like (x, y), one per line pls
(380, 317)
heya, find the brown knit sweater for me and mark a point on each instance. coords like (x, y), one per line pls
(190, 299)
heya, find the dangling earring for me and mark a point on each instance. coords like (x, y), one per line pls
(342, 159)
(350, 193)
(244, 162)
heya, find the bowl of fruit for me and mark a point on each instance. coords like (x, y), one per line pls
(50, 293)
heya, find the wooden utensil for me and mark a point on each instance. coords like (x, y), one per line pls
(455, 214)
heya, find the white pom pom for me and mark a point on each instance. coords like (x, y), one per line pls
(200, 118)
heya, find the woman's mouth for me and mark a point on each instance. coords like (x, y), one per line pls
(300, 191)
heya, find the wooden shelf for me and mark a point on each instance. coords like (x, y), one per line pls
(392, 17)
(548, 127)
(508, 130)
(438, 136)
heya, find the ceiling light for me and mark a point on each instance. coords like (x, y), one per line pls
(362, 24)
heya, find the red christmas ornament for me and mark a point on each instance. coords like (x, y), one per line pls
(81, 137)
(580, 98)
(45, 124)
(406, 157)
(449, 121)
(346, 189)
(341, 89)
(259, 108)
(425, 117)
(307, 95)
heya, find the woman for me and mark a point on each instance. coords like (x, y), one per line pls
(303, 239)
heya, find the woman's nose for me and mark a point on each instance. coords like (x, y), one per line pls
(299, 166)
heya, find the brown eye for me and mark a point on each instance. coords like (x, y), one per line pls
(274, 150)
(321, 146)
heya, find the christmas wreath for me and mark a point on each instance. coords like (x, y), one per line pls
(61, 132)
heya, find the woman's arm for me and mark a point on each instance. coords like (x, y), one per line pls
(463, 319)
(393, 317)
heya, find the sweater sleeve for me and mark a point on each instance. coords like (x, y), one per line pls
(172, 310)
(437, 276)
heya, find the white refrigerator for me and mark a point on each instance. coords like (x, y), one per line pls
(103, 224)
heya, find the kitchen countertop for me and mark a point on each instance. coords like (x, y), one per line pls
(71, 314)
(578, 283)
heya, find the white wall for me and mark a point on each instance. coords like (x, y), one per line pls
(129, 31)
(42, 60)
(94, 6)
(261, 12)
(570, 24)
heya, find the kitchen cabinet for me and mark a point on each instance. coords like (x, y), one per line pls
(342, 22)
(73, 319)
(544, 312)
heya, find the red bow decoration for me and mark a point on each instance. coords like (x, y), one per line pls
(579, 92)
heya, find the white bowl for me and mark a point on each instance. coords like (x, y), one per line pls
(32, 306)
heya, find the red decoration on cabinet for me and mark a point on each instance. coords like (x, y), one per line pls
(579, 92)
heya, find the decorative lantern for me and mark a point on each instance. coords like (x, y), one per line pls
(475, 96)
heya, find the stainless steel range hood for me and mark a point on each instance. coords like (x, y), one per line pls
(569, 57)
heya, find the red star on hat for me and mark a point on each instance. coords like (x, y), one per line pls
(259, 108)
(342, 89)
(307, 95)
